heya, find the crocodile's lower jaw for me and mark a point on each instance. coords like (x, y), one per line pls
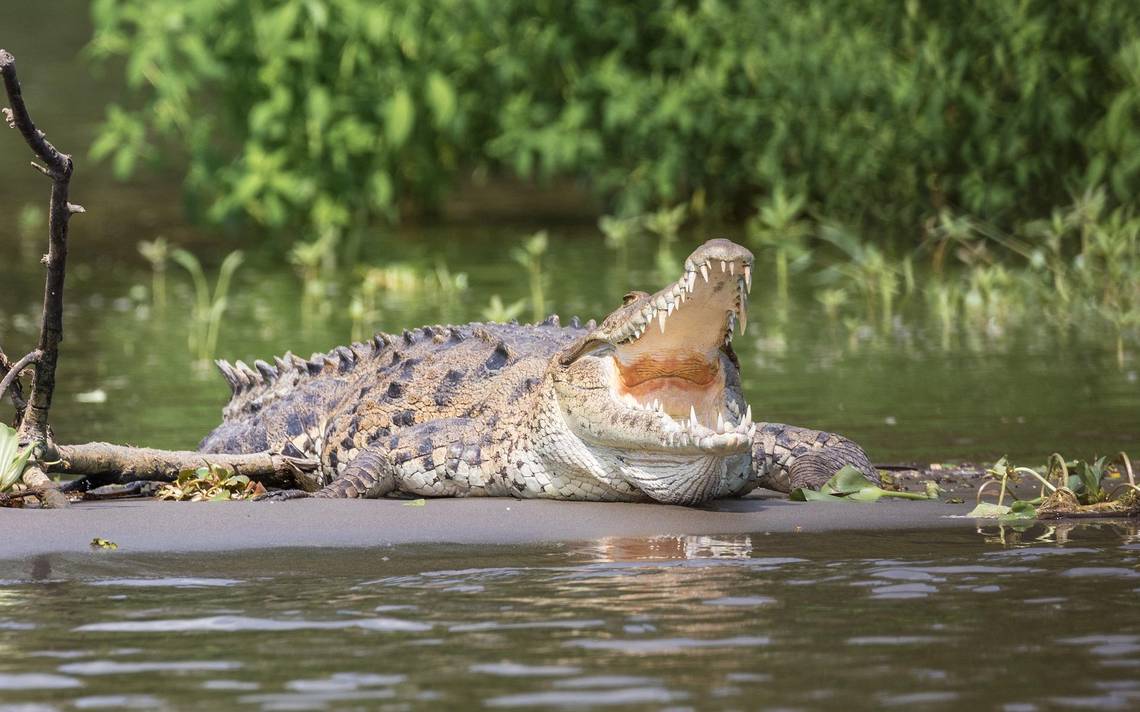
(676, 478)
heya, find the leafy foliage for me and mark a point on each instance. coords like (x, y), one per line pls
(849, 485)
(208, 307)
(1074, 488)
(12, 459)
(324, 113)
(210, 483)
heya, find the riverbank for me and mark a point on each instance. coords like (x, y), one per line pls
(153, 526)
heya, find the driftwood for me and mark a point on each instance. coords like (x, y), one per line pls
(105, 463)
(99, 463)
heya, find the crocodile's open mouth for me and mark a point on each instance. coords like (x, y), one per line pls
(668, 357)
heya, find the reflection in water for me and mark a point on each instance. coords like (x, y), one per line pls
(895, 619)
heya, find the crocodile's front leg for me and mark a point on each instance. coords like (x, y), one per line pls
(369, 474)
(785, 457)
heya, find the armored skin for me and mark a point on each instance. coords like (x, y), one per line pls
(646, 406)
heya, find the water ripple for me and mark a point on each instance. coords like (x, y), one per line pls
(669, 645)
(509, 669)
(111, 667)
(171, 582)
(585, 698)
(230, 624)
(36, 681)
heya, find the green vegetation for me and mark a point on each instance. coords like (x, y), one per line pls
(12, 459)
(529, 257)
(1067, 489)
(326, 114)
(849, 485)
(209, 483)
(157, 254)
(208, 308)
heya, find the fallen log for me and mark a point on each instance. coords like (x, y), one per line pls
(106, 463)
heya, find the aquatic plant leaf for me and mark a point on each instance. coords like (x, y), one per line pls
(989, 510)
(416, 503)
(847, 481)
(804, 494)
(12, 460)
(867, 494)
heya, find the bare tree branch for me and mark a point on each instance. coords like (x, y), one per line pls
(33, 426)
(13, 388)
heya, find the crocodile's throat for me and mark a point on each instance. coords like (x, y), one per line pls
(667, 359)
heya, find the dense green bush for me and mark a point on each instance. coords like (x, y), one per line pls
(326, 113)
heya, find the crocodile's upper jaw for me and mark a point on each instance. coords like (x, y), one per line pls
(652, 377)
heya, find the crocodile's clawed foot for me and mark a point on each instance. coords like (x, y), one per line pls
(282, 495)
(813, 469)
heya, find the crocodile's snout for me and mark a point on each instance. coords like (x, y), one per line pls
(661, 359)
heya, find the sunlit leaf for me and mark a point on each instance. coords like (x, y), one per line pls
(399, 117)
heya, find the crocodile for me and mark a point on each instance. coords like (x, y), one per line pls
(645, 406)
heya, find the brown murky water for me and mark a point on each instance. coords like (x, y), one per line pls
(953, 620)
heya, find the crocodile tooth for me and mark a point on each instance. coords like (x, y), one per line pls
(743, 316)
(748, 276)
(748, 416)
(661, 315)
(283, 363)
(732, 267)
(723, 266)
(705, 271)
(575, 322)
(692, 280)
(693, 415)
(719, 423)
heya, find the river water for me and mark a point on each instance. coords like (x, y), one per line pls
(952, 620)
(1039, 619)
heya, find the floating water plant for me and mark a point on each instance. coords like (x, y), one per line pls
(849, 485)
(210, 483)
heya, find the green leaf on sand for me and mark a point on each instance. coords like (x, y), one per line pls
(850, 485)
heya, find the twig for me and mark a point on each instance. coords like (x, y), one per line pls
(105, 463)
(14, 387)
(11, 378)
